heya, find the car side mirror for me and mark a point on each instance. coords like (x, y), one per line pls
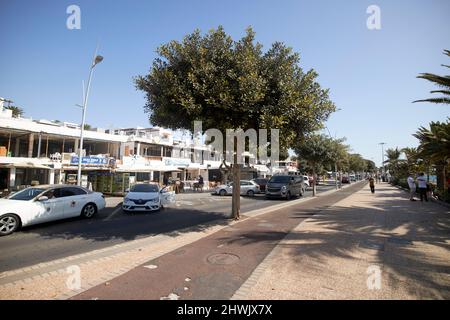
(43, 198)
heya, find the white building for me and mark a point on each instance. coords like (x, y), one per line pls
(42, 151)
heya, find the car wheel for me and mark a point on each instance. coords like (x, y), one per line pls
(8, 224)
(222, 193)
(89, 211)
(251, 193)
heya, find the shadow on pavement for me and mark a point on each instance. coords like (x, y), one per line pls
(411, 239)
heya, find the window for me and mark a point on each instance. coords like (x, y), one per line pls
(71, 191)
(279, 179)
(53, 193)
(26, 194)
(144, 188)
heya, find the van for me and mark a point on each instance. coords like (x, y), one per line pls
(285, 186)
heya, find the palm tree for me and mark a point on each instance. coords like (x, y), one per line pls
(440, 81)
(393, 160)
(435, 147)
(17, 112)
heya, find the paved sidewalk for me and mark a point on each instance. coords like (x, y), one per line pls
(339, 252)
(215, 266)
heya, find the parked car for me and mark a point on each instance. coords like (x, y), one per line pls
(285, 186)
(46, 203)
(345, 179)
(306, 182)
(261, 182)
(147, 197)
(248, 188)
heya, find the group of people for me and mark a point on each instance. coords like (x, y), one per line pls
(423, 187)
(178, 185)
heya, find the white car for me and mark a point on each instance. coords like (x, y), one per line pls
(47, 203)
(147, 197)
(306, 181)
(248, 188)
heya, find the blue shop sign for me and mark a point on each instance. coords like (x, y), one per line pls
(92, 160)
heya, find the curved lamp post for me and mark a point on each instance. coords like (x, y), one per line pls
(97, 60)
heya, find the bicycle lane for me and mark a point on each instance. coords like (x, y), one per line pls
(216, 266)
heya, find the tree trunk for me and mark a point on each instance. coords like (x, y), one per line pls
(440, 176)
(236, 200)
(224, 171)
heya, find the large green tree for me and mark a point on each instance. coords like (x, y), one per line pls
(230, 84)
(316, 150)
(441, 81)
(357, 163)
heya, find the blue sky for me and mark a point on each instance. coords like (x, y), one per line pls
(371, 73)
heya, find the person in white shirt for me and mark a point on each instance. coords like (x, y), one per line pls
(422, 183)
(412, 187)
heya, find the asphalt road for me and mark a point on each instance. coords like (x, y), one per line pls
(50, 241)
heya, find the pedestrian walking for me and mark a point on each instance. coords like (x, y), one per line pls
(422, 184)
(372, 184)
(201, 183)
(412, 187)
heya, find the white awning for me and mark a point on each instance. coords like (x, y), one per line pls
(261, 168)
(146, 168)
(30, 165)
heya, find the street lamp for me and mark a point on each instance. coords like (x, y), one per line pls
(97, 59)
(382, 157)
(335, 164)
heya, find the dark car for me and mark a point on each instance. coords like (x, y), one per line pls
(285, 186)
(345, 179)
(262, 183)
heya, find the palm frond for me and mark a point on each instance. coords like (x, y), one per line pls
(435, 100)
(442, 81)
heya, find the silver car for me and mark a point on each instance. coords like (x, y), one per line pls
(248, 188)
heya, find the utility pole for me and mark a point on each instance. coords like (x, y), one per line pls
(382, 158)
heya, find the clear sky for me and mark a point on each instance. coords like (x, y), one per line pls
(371, 73)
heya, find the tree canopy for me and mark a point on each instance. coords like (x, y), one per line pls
(230, 84)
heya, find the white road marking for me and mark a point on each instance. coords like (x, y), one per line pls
(113, 214)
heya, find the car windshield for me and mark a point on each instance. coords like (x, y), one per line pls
(26, 194)
(279, 179)
(144, 188)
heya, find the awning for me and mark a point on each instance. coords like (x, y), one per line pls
(146, 168)
(29, 165)
(261, 168)
(197, 166)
